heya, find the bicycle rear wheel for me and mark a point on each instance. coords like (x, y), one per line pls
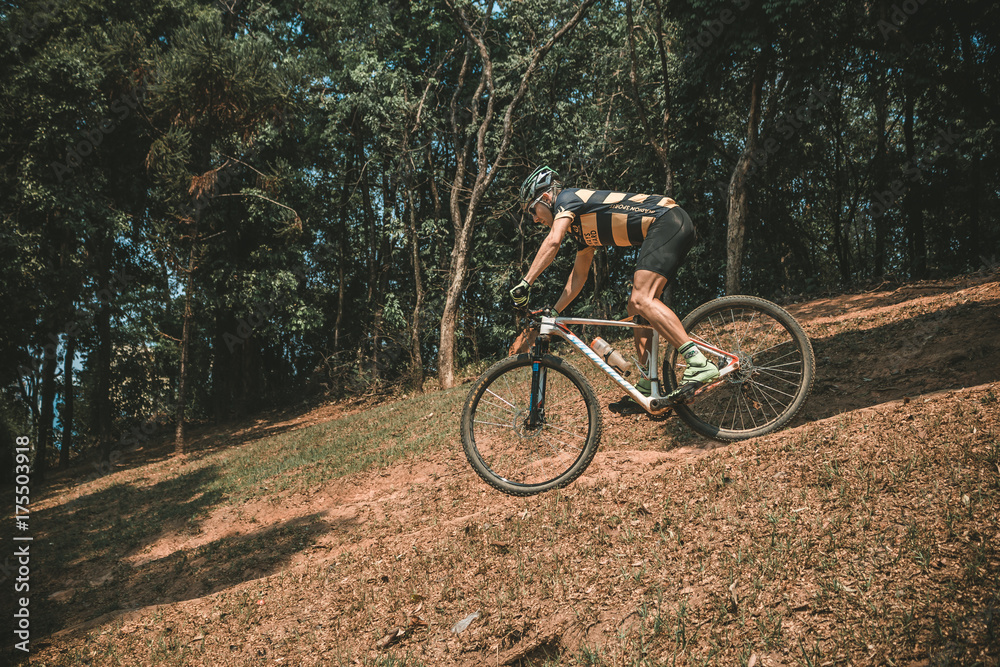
(523, 442)
(776, 372)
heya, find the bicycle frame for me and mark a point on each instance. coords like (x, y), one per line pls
(656, 402)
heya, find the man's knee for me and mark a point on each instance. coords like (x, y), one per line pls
(639, 304)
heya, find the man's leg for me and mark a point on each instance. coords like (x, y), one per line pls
(641, 335)
(645, 300)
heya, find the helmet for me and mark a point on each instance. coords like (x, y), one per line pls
(540, 180)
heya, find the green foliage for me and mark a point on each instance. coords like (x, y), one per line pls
(292, 160)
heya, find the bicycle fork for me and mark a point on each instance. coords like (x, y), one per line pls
(536, 402)
(536, 406)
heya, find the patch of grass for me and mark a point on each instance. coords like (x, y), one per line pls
(316, 454)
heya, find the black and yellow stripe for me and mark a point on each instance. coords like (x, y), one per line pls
(609, 218)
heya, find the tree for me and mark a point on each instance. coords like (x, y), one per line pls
(464, 207)
(215, 96)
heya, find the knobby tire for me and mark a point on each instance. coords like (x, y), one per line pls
(512, 455)
(777, 368)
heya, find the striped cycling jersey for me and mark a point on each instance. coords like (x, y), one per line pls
(604, 217)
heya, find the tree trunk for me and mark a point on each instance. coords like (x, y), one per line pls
(739, 186)
(66, 416)
(342, 238)
(885, 196)
(47, 415)
(102, 368)
(916, 241)
(416, 358)
(464, 222)
(976, 255)
(449, 315)
(658, 139)
(221, 356)
(409, 168)
(840, 244)
(340, 298)
(185, 345)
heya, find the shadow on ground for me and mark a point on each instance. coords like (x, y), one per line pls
(950, 348)
(82, 571)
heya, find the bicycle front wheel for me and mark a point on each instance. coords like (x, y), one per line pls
(776, 372)
(531, 425)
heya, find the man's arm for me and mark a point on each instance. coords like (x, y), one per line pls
(577, 278)
(549, 249)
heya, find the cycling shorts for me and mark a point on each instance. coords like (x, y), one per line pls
(667, 243)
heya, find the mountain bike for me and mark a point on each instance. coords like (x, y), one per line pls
(532, 422)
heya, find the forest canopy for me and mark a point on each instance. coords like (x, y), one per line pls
(209, 208)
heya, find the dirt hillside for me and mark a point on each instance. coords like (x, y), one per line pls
(865, 534)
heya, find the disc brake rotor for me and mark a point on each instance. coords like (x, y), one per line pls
(523, 429)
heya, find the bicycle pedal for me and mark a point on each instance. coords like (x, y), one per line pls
(687, 393)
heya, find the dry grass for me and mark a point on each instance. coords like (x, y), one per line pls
(865, 536)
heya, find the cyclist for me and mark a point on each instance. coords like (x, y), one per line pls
(592, 218)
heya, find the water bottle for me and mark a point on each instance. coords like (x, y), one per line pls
(611, 356)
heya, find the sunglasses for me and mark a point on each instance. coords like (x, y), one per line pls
(530, 208)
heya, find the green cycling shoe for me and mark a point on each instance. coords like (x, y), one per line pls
(699, 371)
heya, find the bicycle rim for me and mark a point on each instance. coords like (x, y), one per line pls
(776, 368)
(521, 458)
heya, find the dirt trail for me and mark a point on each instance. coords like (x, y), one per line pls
(428, 534)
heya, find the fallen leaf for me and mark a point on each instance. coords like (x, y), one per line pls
(394, 635)
(464, 623)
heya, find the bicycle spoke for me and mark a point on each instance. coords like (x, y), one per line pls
(761, 394)
(562, 430)
(768, 372)
(567, 445)
(775, 367)
(774, 389)
(529, 453)
(757, 353)
(768, 386)
(486, 423)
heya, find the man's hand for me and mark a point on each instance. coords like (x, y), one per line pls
(520, 293)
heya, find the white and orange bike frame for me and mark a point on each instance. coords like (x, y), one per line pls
(656, 402)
